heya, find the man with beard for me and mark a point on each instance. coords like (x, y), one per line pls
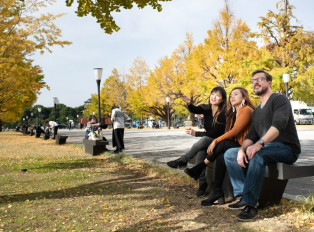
(272, 138)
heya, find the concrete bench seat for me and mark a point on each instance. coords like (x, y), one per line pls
(61, 139)
(275, 180)
(95, 147)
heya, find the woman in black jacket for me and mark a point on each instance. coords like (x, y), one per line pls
(214, 125)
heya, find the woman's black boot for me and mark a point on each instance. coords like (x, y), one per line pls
(195, 171)
(176, 163)
(214, 196)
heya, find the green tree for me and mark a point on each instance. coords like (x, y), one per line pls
(102, 10)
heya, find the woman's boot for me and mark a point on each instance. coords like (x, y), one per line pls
(196, 171)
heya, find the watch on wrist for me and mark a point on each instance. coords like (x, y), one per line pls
(261, 142)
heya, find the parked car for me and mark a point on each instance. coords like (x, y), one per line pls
(62, 126)
(127, 124)
(178, 124)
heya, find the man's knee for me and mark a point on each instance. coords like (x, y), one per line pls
(257, 158)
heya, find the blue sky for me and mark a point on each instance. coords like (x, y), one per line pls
(144, 33)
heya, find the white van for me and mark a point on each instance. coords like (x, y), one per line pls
(302, 113)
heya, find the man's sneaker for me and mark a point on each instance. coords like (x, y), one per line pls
(176, 163)
(238, 205)
(247, 214)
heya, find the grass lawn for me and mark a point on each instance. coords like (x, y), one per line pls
(64, 189)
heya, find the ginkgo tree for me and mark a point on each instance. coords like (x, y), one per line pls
(21, 34)
(135, 81)
(219, 60)
(291, 49)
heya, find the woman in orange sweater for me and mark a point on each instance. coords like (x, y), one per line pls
(238, 118)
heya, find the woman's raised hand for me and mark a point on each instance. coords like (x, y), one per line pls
(186, 99)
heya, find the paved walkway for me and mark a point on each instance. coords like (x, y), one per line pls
(160, 146)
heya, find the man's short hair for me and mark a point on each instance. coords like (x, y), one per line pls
(268, 76)
(47, 122)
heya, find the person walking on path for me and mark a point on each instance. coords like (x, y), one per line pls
(272, 138)
(214, 124)
(238, 120)
(52, 125)
(118, 117)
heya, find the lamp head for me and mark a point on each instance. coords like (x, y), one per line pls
(167, 99)
(39, 109)
(98, 73)
(55, 100)
(285, 77)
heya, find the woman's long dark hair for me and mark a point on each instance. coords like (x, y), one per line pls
(222, 105)
(230, 114)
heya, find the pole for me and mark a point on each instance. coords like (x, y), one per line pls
(98, 87)
(168, 116)
(286, 84)
(55, 112)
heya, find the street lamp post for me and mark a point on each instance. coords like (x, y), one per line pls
(32, 117)
(168, 113)
(98, 75)
(286, 77)
(55, 102)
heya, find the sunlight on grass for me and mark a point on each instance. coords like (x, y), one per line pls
(47, 187)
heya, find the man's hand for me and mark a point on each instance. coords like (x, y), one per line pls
(242, 158)
(190, 131)
(210, 149)
(251, 150)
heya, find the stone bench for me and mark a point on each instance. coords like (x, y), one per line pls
(61, 139)
(95, 147)
(275, 180)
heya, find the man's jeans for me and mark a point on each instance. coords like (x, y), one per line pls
(248, 181)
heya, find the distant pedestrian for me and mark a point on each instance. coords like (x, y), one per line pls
(91, 125)
(118, 117)
(53, 126)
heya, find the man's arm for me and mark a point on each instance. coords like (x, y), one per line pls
(112, 115)
(242, 157)
(270, 135)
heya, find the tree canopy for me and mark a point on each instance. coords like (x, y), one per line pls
(22, 34)
(102, 10)
(227, 57)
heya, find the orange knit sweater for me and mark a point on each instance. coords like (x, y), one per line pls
(241, 126)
